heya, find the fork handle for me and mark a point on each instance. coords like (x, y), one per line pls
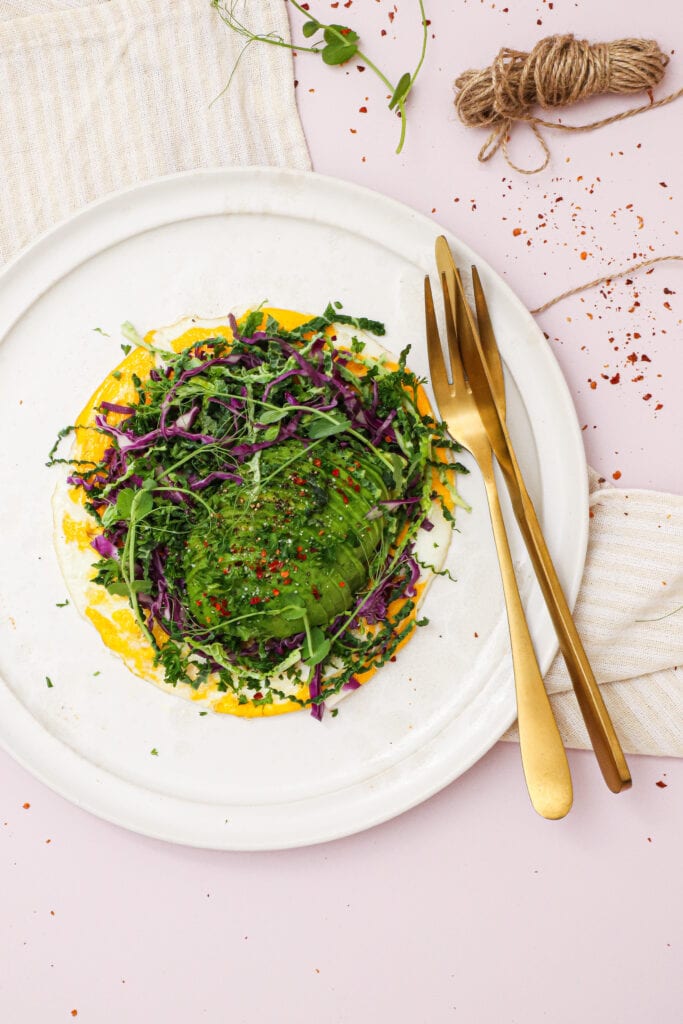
(544, 760)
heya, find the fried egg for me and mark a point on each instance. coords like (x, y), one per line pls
(75, 529)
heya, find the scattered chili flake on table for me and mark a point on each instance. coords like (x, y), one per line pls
(661, 784)
(26, 806)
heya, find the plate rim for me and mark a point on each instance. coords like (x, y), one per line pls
(16, 744)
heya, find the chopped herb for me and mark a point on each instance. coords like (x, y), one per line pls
(62, 604)
(49, 682)
(126, 349)
(98, 330)
(154, 752)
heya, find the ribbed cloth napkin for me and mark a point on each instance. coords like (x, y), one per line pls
(100, 94)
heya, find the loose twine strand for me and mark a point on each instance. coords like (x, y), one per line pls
(558, 71)
(604, 280)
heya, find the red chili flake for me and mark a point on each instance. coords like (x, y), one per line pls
(199, 604)
(287, 582)
(632, 357)
(593, 384)
(254, 600)
(285, 573)
(661, 784)
(225, 571)
(345, 499)
(26, 806)
(316, 593)
(317, 462)
(615, 379)
(663, 184)
(647, 397)
(362, 110)
(583, 255)
(258, 696)
(392, 658)
(341, 583)
(658, 406)
(636, 380)
(644, 358)
(356, 488)
(616, 475)
(259, 574)
(276, 592)
(516, 232)
(335, 472)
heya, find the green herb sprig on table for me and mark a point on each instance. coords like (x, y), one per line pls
(336, 44)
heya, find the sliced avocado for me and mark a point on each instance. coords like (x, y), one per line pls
(300, 537)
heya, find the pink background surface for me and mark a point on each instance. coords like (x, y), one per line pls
(469, 907)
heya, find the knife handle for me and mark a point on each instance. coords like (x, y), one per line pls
(604, 739)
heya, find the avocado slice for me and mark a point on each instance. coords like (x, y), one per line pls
(296, 540)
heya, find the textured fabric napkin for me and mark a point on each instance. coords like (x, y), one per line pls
(99, 94)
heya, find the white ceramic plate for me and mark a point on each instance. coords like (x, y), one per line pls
(201, 243)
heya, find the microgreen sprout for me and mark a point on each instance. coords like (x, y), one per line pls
(335, 44)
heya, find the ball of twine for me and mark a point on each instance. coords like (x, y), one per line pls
(560, 70)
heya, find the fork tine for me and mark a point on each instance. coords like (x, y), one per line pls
(437, 365)
(452, 336)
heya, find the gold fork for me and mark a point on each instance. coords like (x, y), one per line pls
(543, 756)
(489, 389)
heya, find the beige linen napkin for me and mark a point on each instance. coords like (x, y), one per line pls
(96, 95)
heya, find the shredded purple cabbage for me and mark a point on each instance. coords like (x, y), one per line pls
(104, 547)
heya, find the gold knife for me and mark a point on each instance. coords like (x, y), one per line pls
(488, 388)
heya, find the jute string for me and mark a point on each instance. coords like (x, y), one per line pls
(634, 268)
(558, 71)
